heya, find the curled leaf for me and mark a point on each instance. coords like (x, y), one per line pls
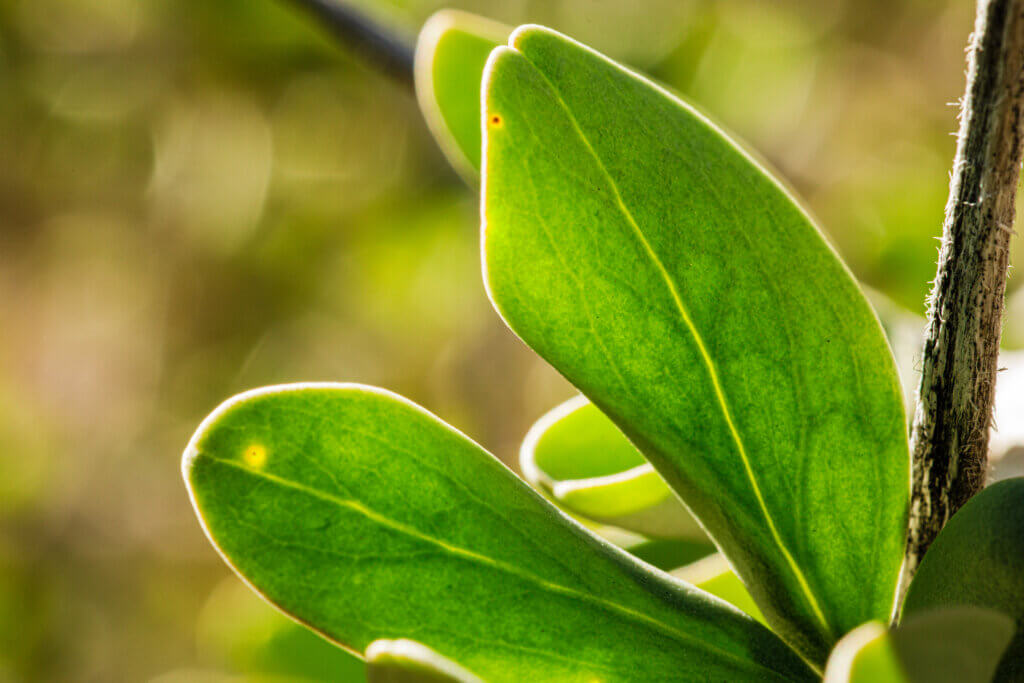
(579, 457)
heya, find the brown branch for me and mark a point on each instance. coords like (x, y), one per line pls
(949, 438)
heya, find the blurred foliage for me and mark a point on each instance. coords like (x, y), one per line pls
(200, 197)
(238, 631)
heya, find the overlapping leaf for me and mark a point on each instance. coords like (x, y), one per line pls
(365, 517)
(663, 553)
(406, 661)
(714, 575)
(978, 559)
(670, 278)
(953, 645)
(579, 457)
(451, 52)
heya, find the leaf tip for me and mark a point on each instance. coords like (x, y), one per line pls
(841, 663)
(531, 470)
(434, 29)
(408, 660)
(523, 33)
(255, 454)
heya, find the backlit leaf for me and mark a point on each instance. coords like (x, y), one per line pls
(579, 457)
(865, 655)
(451, 51)
(668, 553)
(366, 517)
(978, 559)
(406, 661)
(714, 575)
(683, 291)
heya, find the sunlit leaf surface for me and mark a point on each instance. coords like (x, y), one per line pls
(451, 51)
(665, 274)
(366, 517)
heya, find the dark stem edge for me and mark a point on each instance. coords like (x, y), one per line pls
(385, 47)
(950, 432)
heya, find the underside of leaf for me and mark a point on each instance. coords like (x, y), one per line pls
(678, 285)
(365, 517)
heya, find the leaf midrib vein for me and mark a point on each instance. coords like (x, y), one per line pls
(701, 347)
(472, 556)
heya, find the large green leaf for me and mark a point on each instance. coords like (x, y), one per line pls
(978, 559)
(366, 517)
(670, 278)
(579, 457)
(406, 661)
(451, 52)
(954, 645)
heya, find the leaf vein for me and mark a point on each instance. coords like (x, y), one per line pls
(614, 608)
(702, 349)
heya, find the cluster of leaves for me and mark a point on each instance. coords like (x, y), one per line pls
(726, 359)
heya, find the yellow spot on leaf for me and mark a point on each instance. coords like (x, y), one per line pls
(256, 456)
(496, 120)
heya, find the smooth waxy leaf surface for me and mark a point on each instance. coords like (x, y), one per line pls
(366, 517)
(978, 559)
(583, 461)
(406, 661)
(685, 293)
(451, 52)
(954, 645)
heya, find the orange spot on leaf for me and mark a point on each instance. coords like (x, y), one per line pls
(255, 456)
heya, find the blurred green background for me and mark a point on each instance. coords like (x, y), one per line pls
(198, 198)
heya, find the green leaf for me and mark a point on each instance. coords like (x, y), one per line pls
(663, 553)
(366, 517)
(978, 559)
(669, 553)
(579, 458)
(681, 289)
(451, 52)
(406, 661)
(714, 575)
(865, 655)
(954, 645)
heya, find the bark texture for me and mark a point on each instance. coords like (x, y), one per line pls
(949, 438)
